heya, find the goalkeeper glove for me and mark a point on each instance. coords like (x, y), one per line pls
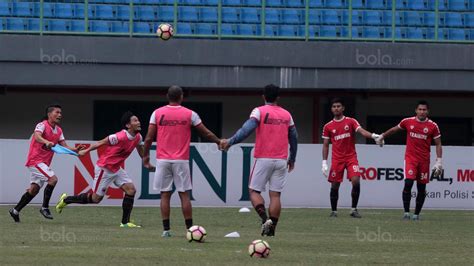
(437, 168)
(325, 168)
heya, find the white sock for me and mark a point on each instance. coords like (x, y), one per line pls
(407, 213)
(15, 212)
(354, 209)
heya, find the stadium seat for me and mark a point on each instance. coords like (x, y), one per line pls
(373, 17)
(272, 16)
(123, 12)
(398, 33)
(387, 18)
(188, 14)
(458, 34)
(209, 2)
(252, 3)
(208, 14)
(344, 32)
(184, 28)
(146, 13)
(63, 10)
(275, 3)
(357, 17)
(78, 25)
(229, 14)
(206, 29)
(375, 4)
(358, 4)
(231, 2)
(328, 31)
(22, 9)
(5, 9)
(442, 5)
(454, 20)
(288, 30)
(316, 3)
(313, 31)
(336, 4)
(57, 25)
(292, 16)
(33, 25)
(271, 30)
(429, 19)
(190, 2)
(250, 15)
(412, 18)
(118, 26)
(314, 16)
(228, 29)
(414, 33)
(99, 26)
(165, 13)
(247, 29)
(103, 12)
(141, 27)
(460, 5)
(330, 17)
(469, 20)
(417, 4)
(399, 4)
(16, 24)
(296, 3)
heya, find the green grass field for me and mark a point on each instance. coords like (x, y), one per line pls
(90, 235)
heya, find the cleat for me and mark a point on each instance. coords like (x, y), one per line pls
(266, 227)
(355, 214)
(333, 214)
(271, 232)
(406, 216)
(61, 204)
(130, 225)
(415, 217)
(166, 234)
(46, 213)
(16, 217)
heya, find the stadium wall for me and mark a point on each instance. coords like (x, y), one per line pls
(221, 179)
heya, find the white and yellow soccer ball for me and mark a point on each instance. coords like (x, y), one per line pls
(165, 31)
(259, 249)
(196, 233)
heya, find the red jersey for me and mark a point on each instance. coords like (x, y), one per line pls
(419, 137)
(38, 153)
(121, 145)
(342, 135)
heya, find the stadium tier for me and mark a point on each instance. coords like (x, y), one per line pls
(444, 20)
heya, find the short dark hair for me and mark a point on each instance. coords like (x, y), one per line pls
(337, 100)
(174, 93)
(271, 93)
(49, 109)
(423, 102)
(126, 119)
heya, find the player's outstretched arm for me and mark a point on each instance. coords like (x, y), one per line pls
(75, 149)
(325, 167)
(244, 132)
(207, 134)
(293, 141)
(369, 135)
(94, 146)
(150, 136)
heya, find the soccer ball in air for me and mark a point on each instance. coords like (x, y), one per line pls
(196, 233)
(165, 31)
(259, 249)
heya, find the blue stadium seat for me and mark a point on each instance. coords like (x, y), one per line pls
(16, 24)
(316, 3)
(191, 2)
(296, 3)
(460, 5)
(33, 25)
(313, 31)
(375, 4)
(146, 13)
(252, 3)
(292, 16)
(414, 33)
(165, 13)
(373, 17)
(188, 14)
(442, 4)
(275, 3)
(123, 12)
(99, 26)
(272, 16)
(271, 30)
(288, 30)
(412, 18)
(209, 2)
(102, 12)
(231, 2)
(58, 25)
(469, 20)
(357, 17)
(387, 18)
(184, 28)
(454, 20)
(78, 25)
(65, 10)
(118, 26)
(141, 27)
(206, 29)
(229, 14)
(442, 35)
(328, 31)
(250, 15)
(5, 9)
(344, 32)
(314, 16)
(417, 4)
(399, 4)
(358, 4)
(208, 14)
(371, 32)
(429, 19)
(471, 34)
(398, 33)
(336, 4)
(228, 29)
(79, 11)
(247, 29)
(330, 17)
(48, 9)
(458, 34)
(22, 9)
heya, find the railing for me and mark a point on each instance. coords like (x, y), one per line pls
(305, 30)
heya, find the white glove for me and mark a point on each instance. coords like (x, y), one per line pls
(437, 168)
(378, 139)
(325, 168)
